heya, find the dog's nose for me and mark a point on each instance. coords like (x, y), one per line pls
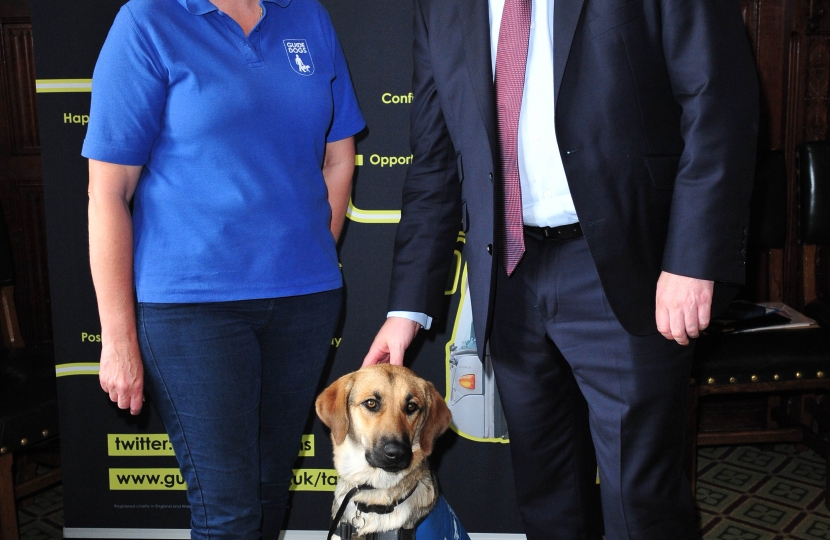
(391, 455)
(396, 452)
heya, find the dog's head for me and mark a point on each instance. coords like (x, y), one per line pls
(387, 411)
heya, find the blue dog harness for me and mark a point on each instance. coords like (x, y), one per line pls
(440, 524)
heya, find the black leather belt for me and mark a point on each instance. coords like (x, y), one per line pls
(562, 233)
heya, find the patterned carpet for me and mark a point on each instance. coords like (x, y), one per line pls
(43, 518)
(743, 493)
(761, 493)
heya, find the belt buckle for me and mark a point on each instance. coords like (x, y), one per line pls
(562, 233)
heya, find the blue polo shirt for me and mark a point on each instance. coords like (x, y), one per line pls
(231, 131)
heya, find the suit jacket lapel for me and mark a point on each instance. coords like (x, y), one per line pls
(475, 27)
(565, 16)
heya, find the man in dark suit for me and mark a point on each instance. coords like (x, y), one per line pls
(599, 156)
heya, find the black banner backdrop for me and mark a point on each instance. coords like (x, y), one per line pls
(121, 479)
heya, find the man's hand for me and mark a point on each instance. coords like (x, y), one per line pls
(683, 307)
(122, 375)
(392, 340)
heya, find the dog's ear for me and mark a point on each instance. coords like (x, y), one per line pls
(332, 407)
(437, 421)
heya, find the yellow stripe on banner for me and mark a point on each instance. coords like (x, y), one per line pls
(81, 368)
(358, 160)
(146, 480)
(372, 216)
(462, 238)
(48, 86)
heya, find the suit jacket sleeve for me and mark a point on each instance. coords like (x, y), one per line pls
(713, 79)
(431, 205)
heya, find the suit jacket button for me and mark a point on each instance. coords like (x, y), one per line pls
(490, 249)
(491, 177)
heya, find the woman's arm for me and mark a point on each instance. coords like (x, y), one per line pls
(111, 187)
(338, 169)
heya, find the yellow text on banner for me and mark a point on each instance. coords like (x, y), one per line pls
(169, 479)
(313, 480)
(158, 444)
(125, 444)
(307, 446)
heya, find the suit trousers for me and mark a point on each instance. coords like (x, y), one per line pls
(579, 392)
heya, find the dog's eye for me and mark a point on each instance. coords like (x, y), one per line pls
(370, 404)
(411, 407)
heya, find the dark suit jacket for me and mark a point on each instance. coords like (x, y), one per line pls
(656, 118)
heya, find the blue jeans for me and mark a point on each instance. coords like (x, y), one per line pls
(234, 384)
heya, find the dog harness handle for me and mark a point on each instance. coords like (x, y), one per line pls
(397, 534)
(335, 522)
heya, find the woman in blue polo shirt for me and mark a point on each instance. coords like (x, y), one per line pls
(229, 126)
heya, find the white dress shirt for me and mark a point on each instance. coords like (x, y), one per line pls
(546, 198)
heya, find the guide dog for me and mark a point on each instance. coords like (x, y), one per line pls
(384, 421)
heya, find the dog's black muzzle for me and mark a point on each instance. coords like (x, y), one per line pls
(390, 454)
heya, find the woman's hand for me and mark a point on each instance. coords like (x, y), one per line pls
(122, 374)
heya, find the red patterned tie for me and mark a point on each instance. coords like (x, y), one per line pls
(511, 59)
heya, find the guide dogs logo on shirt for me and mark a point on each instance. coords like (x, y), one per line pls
(298, 56)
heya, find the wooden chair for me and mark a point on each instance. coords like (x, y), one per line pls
(28, 408)
(764, 387)
(813, 208)
(8, 313)
(756, 388)
(28, 422)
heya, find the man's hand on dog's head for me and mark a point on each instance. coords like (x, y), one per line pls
(394, 337)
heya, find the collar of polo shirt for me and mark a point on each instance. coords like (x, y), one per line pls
(200, 7)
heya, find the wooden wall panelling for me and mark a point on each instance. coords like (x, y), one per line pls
(817, 87)
(32, 288)
(816, 257)
(18, 56)
(757, 267)
(807, 113)
(768, 26)
(791, 41)
(816, 91)
(815, 126)
(21, 182)
(817, 260)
